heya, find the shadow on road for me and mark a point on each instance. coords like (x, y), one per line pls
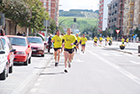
(59, 73)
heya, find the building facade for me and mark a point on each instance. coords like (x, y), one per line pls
(128, 18)
(52, 7)
(103, 15)
(136, 20)
(116, 15)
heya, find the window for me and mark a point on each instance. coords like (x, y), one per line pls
(44, 4)
(131, 15)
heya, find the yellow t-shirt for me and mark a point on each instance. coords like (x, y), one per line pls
(123, 40)
(57, 41)
(108, 38)
(95, 39)
(78, 39)
(68, 40)
(83, 40)
(101, 38)
(127, 40)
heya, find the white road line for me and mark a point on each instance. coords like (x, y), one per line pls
(39, 79)
(33, 90)
(134, 62)
(37, 84)
(115, 54)
(105, 54)
(129, 75)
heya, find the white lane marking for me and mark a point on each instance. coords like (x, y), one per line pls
(77, 60)
(33, 90)
(128, 55)
(39, 79)
(115, 54)
(129, 75)
(134, 62)
(105, 54)
(37, 84)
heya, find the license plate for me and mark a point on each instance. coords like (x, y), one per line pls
(33, 50)
(40, 51)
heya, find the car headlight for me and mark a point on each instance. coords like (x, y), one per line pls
(21, 53)
(40, 48)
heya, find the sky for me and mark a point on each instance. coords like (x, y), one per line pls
(79, 4)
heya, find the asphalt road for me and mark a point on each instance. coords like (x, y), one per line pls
(97, 71)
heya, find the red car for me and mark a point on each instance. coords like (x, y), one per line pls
(37, 45)
(23, 49)
(9, 51)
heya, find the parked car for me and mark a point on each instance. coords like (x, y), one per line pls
(9, 51)
(4, 66)
(23, 49)
(37, 45)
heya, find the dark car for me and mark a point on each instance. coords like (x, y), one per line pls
(37, 45)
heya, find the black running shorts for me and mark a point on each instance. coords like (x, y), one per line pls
(55, 49)
(69, 50)
(83, 44)
(95, 41)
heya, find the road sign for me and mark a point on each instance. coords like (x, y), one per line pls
(117, 31)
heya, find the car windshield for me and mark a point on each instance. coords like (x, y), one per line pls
(3, 40)
(17, 41)
(35, 40)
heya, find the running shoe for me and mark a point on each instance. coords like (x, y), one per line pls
(65, 71)
(56, 64)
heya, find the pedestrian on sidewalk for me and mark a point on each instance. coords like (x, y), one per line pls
(2, 32)
(57, 40)
(49, 43)
(69, 41)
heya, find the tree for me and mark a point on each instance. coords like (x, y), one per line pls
(26, 13)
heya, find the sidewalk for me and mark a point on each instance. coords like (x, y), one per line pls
(131, 48)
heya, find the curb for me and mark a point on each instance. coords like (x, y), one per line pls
(119, 50)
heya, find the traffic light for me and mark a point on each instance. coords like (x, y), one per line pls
(74, 19)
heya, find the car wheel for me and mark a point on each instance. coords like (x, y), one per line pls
(29, 60)
(42, 55)
(11, 69)
(26, 62)
(3, 75)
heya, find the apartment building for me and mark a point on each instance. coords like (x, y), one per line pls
(116, 15)
(103, 13)
(136, 19)
(128, 18)
(52, 6)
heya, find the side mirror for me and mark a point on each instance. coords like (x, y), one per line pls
(2, 52)
(28, 46)
(13, 50)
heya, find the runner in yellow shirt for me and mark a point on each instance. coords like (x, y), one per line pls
(95, 41)
(78, 41)
(101, 39)
(57, 39)
(69, 41)
(123, 40)
(83, 42)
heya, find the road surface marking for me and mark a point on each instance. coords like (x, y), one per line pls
(37, 84)
(129, 75)
(39, 79)
(33, 90)
(128, 54)
(105, 54)
(77, 60)
(134, 62)
(115, 54)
